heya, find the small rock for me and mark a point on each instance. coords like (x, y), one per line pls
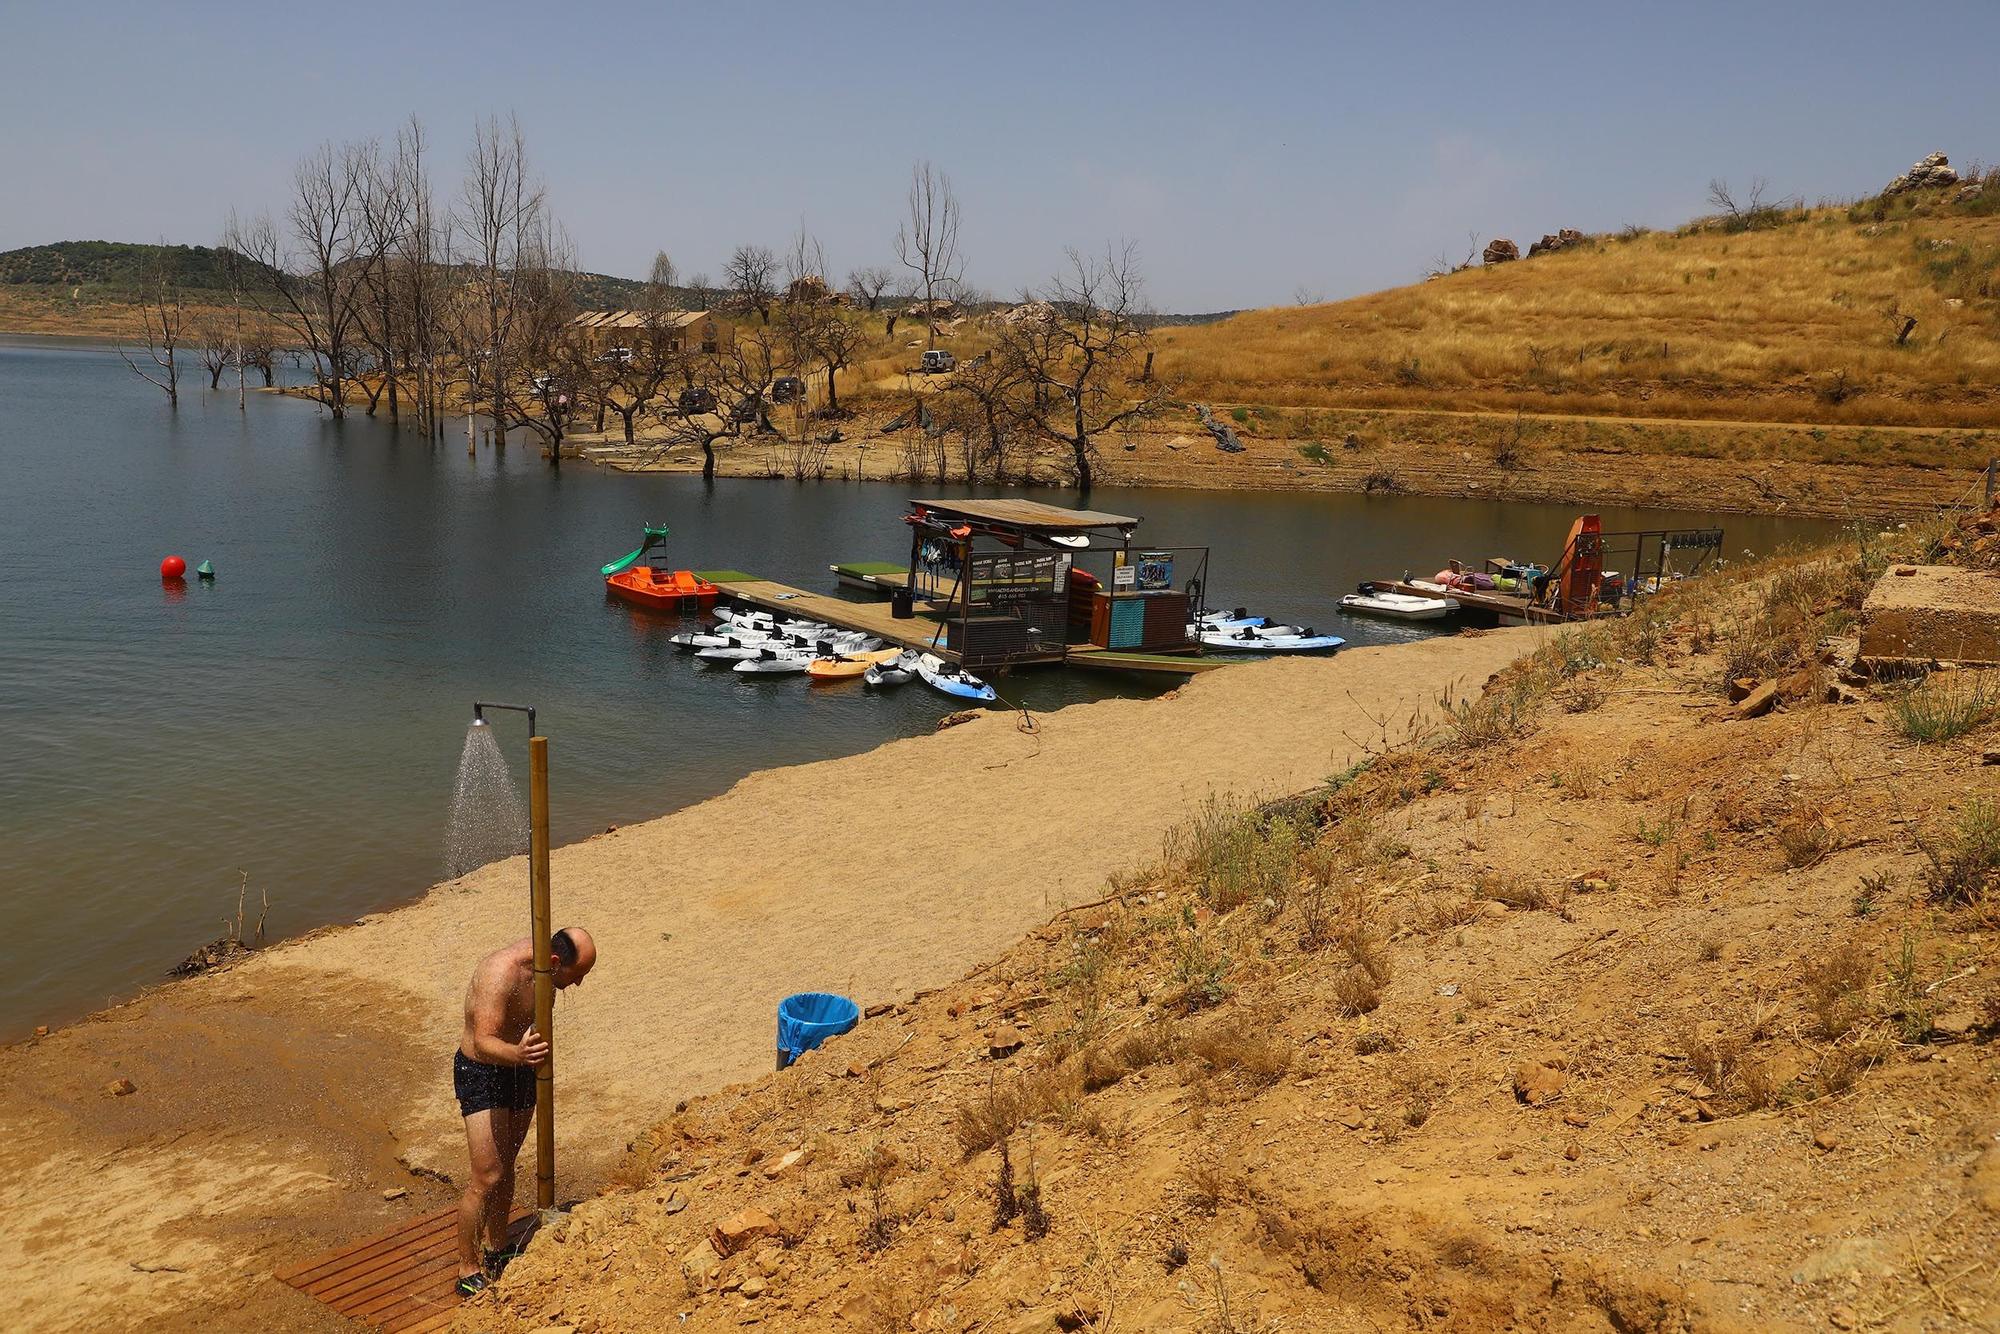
(753, 1287)
(42, 1030)
(1004, 1041)
(856, 1069)
(1500, 250)
(786, 1162)
(675, 1202)
(1573, 1151)
(1825, 1140)
(1990, 757)
(1956, 1024)
(1351, 1118)
(741, 1228)
(876, 1011)
(1759, 701)
(120, 1087)
(1537, 1084)
(698, 1265)
(395, 1193)
(1842, 1317)
(1741, 687)
(1575, 1119)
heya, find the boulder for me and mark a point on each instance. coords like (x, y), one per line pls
(1563, 239)
(1499, 250)
(1932, 173)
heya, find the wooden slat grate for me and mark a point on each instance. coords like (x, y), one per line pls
(402, 1280)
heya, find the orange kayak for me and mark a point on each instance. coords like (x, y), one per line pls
(849, 664)
(662, 590)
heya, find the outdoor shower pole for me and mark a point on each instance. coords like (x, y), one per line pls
(539, 934)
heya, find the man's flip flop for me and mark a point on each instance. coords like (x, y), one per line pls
(500, 1259)
(473, 1284)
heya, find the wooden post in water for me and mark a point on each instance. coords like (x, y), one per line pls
(539, 932)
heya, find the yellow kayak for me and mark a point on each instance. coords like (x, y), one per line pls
(849, 665)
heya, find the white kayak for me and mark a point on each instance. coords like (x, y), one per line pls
(1251, 640)
(895, 672)
(941, 675)
(1230, 620)
(1398, 606)
(777, 661)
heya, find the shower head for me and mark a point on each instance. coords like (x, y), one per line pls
(479, 708)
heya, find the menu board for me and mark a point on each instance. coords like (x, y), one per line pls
(1014, 576)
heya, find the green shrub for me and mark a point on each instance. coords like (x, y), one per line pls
(1965, 862)
(1942, 707)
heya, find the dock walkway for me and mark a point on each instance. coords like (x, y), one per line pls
(925, 632)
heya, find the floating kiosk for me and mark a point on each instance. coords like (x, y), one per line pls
(1013, 583)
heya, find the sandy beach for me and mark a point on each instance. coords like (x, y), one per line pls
(278, 1104)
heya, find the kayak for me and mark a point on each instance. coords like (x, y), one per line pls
(1251, 641)
(847, 666)
(1230, 620)
(776, 661)
(1197, 631)
(1398, 606)
(941, 675)
(895, 672)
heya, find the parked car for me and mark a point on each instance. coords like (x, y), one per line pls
(937, 361)
(787, 388)
(621, 355)
(696, 399)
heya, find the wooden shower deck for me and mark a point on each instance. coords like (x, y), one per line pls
(401, 1280)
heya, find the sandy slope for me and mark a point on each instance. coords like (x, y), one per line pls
(275, 1100)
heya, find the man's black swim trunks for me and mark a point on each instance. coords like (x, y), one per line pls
(482, 1087)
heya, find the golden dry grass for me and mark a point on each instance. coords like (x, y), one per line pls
(1786, 323)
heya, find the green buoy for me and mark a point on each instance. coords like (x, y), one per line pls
(204, 571)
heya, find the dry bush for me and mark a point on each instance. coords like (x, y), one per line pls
(1713, 1056)
(1583, 696)
(1418, 1089)
(1836, 987)
(1207, 1183)
(1355, 992)
(1233, 853)
(1964, 862)
(1523, 894)
(1377, 1038)
(1447, 911)
(1806, 837)
(1245, 1046)
(993, 1115)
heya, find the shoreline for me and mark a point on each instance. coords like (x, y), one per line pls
(301, 1085)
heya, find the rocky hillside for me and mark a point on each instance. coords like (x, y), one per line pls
(1882, 312)
(1597, 1001)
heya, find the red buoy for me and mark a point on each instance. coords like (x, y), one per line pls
(173, 567)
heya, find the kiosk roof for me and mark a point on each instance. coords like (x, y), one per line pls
(1030, 515)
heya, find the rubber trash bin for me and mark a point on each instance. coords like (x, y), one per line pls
(810, 1018)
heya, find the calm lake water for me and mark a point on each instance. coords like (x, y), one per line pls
(300, 719)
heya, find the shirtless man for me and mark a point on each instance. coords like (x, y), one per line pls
(494, 1077)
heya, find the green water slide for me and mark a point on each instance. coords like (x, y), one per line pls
(654, 537)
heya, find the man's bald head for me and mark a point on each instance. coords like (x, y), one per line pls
(574, 953)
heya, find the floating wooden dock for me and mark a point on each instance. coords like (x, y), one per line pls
(403, 1281)
(886, 577)
(1093, 658)
(924, 632)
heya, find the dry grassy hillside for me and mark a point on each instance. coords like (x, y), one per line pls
(1596, 1004)
(1790, 322)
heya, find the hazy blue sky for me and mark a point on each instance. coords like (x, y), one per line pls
(1249, 149)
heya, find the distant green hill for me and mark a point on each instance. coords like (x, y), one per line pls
(111, 267)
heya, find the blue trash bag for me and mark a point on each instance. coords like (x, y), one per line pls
(810, 1018)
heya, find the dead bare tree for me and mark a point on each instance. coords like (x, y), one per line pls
(987, 394)
(630, 377)
(927, 241)
(316, 278)
(215, 343)
(540, 393)
(752, 272)
(805, 269)
(868, 284)
(420, 265)
(1084, 362)
(500, 222)
(165, 319)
